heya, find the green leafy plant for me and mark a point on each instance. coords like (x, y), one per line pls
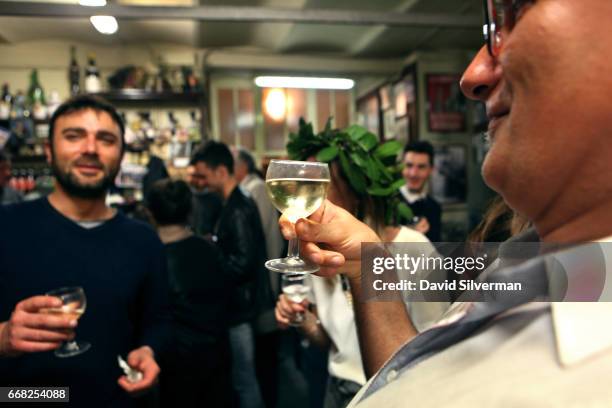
(370, 167)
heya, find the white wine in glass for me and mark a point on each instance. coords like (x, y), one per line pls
(296, 288)
(74, 304)
(297, 189)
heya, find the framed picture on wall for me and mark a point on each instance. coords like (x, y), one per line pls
(405, 104)
(446, 105)
(369, 114)
(449, 178)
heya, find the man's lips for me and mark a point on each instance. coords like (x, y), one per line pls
(88, 168)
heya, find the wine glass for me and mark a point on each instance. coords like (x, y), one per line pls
(296, 288)
(74, 303)
(297, 189)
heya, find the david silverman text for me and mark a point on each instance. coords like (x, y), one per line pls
(447, 285)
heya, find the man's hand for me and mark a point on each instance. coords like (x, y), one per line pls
(331, 238)
(30, 330)
(142, 360)
(286, 311)
(422, 225)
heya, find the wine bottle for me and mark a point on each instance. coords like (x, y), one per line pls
(36, 97)
(74, 74)
(92, 75)
(5, 102)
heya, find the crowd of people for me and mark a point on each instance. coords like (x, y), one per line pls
(190, 305)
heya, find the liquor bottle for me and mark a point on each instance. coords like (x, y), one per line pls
(5, 102)
(74, 74)
(53, 103)
(194, 128)
(92, 75)
(36, 97)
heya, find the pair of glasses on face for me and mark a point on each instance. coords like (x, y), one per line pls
(500, 18)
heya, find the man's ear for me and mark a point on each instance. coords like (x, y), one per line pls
(48, 151)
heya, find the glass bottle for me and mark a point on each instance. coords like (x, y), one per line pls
(5, 102)
(36, 97)
(92, 76)
(74, 74)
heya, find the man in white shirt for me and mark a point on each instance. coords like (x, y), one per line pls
(550, 160)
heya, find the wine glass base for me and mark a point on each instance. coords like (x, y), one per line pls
(71, 350)
(290, 265)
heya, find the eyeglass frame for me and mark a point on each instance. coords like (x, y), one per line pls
(492, 35)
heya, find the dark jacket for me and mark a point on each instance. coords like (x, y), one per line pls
(430, 209)
(241, 239)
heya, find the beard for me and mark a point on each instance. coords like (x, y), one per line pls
(71, 184)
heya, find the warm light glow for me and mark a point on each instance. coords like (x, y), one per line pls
(93, 3)
(105, 24)
(276, 104)
(304, 82)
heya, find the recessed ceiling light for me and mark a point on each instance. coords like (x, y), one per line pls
(105, 24)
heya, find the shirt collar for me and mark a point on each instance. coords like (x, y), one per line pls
(412, 197)
(582, 329)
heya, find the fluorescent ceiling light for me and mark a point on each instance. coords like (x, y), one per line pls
(304, 82)
(93, 3)
(105, 24)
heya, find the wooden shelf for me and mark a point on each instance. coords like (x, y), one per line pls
(143, 97)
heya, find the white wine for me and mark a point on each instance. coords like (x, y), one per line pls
(74, 310)
(296, 293)
(297, 197)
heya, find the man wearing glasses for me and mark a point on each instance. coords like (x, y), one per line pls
(544, 76)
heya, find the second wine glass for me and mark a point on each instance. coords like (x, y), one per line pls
(297, 189)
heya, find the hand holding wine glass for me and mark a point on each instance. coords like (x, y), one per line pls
(296, 189)
(31, 330)
(295, 288)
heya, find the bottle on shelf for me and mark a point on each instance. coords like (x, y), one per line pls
(19, 109)
(194, 128)
(36, 97)
(92, 76)
(5, 102)
(53, 103)
(74, 73)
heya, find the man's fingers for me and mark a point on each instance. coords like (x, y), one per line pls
(42, 320)
(41, 336)
(22, 346)
(321, 257)
(33, 304)
(287, 228)
(281, 321)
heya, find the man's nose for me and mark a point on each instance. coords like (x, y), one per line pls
(90, 144)
(481, 76)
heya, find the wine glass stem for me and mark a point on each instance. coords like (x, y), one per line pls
(293, 251)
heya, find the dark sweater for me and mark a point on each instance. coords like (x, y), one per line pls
(121, 266)
(430, 209)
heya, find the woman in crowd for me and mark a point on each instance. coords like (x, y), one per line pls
(329, 320)
(195, 372)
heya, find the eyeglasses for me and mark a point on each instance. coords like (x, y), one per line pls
(500, 17)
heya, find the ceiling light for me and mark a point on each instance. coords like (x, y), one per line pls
(105, 24)
(93, 3)
(304, 82)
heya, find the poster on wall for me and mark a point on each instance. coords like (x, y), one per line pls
(404, 101)
(449, 179)
(446, 104)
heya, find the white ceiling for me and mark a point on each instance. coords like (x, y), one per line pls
(275, 38)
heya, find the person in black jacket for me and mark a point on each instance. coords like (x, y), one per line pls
(418, 165)
(240, 236)
(196, 369)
